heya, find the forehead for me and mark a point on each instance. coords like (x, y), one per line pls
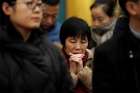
(98, 11)
(77, 37)
(98, 8)
(51, 9)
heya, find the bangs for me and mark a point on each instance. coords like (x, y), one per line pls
(79, 34)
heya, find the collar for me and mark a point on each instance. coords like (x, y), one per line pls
(135, 33)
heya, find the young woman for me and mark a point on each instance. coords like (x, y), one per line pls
(75, 36)
(27, 63)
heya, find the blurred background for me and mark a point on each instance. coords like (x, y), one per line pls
(79, 8)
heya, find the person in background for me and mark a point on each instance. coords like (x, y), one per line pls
(49, 22)
(75, 36)
(27, 63)
(103, 20)
(117, 62)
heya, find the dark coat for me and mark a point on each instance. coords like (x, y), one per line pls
(117, 63)
(31, 67)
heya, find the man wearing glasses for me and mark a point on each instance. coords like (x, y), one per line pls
(117, 62)
(27, 63)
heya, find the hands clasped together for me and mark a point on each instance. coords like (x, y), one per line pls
(78, 71)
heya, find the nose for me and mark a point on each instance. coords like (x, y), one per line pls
(37, 7)
(78, 46)
(50, 20)
(96, 23)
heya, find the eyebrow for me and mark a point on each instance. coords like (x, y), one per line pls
(35, 0)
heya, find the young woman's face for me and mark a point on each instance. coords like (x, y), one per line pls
(76, 45)
(26, 13)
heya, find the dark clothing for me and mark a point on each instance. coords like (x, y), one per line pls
(117, 63)
(121, 23)
(32, 66)
(81, 88)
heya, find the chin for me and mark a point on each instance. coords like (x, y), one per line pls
(35, 25)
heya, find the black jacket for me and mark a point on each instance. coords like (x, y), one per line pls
(117, 63)
(31, 67)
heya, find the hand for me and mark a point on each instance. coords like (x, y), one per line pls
(85, 76)
(90, 53)
(73, 67)
(74, 78)
(76, 62)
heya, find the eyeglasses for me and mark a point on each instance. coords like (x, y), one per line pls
(30, 4)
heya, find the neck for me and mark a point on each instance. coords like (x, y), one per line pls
(25, 33)
(135, 24)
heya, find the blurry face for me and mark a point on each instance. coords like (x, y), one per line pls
(75, 45)
(49, 16)
(99, 17)
(26, 14)
(136, 10)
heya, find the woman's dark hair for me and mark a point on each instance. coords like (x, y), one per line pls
(74, 27)
(122, 4)
(108, 6)
(3, 17)
(52, 2)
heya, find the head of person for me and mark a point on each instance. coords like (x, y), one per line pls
(75, 35)
(102, 13)
(130, 8)
(50, 12)
(23, 14)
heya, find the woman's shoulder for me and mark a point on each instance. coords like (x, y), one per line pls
(109, 46)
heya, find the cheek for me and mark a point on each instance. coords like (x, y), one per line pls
(19, 18)
(68, 48)
(23, 16)
(107, 20)
(85, 47)
(25, 19)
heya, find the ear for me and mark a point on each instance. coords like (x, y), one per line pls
(6, 8)
(131, 7)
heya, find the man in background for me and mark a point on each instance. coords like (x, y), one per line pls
(49, 23)
(117, 62)
(103, 20)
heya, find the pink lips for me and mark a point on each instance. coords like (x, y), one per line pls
(36, 19)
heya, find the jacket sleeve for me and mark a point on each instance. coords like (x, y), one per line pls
(66, 80)
(61, 76)
(103, 73)
(4, 76)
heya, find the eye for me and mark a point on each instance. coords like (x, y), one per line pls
(45, 15)
(83, 41)
(39, 4)
(101, 19)
(72, 40)
(29, 4)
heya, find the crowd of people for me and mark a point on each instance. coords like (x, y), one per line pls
(38, 54)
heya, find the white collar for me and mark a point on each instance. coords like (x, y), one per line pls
(134, 32)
